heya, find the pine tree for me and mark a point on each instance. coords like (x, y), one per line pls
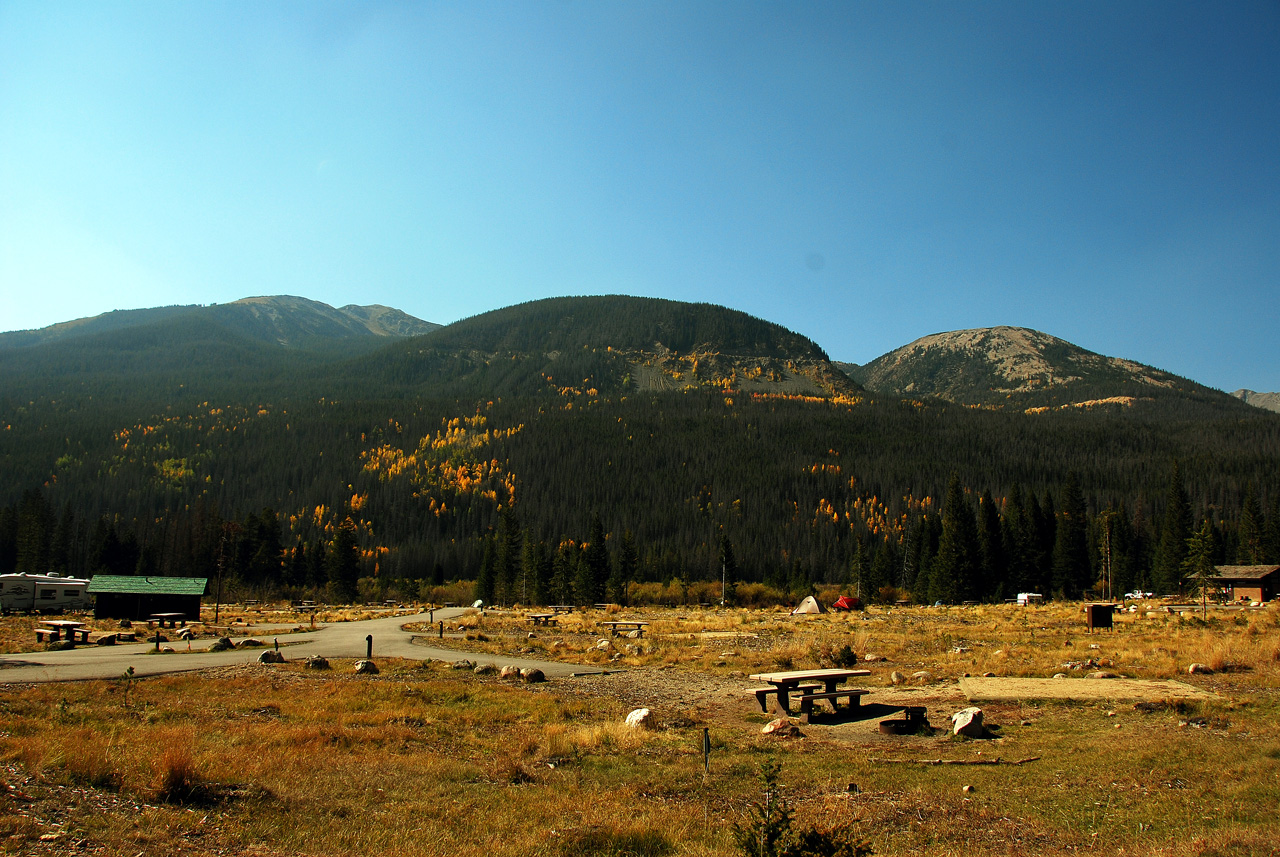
(507, 559)
(63, 536)
(594, 572)
(1071, 566)
(35, 532)
(1250, 550)
(628, 565)
(1017, 539)
(994, 566)
(265, 564)
(343, 563)
(860, 571)
(486, 580)
(1271, 532)
(1046, 530)
(955, 567)
(531, 590)
(317, 563)
(8, 540)
(728, 568)
(1198, 563)
(1176, 529)
(564, 573)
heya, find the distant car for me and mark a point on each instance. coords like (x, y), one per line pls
(1139, 595)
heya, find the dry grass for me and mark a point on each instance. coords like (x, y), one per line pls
(947, 642)
(427, 760)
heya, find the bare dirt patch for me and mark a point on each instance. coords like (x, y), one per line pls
(1127, 689)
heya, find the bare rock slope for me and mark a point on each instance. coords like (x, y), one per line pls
(1018, 367)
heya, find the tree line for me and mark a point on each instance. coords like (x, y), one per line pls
(969, 547)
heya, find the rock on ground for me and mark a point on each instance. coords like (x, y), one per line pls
(783, 727)
(968, 722)
(640, 719)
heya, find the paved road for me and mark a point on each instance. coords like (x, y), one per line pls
(339, 640)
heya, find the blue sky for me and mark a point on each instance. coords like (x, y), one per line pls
(864, 173)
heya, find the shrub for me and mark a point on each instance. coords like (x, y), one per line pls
(177, 780)
(768, 831)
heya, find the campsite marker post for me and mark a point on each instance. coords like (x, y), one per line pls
(706, 752)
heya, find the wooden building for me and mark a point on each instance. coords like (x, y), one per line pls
(1249, 582)
(121, 597)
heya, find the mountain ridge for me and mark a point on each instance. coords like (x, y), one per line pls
(614, 343)
(1266, 401)
(1018, 367)
(284, 319)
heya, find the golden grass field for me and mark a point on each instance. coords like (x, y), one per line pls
(424, 759)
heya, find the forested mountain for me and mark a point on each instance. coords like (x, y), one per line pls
(1018, 368)
(283, 319)
(562, 449)
(1266, 401)
(610, 344)
(154, 357)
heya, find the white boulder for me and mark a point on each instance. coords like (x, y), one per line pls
(968, 722)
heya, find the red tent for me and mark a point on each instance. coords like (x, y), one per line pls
(846, 602)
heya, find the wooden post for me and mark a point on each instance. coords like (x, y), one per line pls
(706, 752)
(369, 647)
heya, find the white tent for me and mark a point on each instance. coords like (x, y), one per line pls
(809, 605)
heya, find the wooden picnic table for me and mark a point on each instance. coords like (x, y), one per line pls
(811, 685)
(562, 608)
(622, 627)
(168, 620)
(543, 618)
(58, 629)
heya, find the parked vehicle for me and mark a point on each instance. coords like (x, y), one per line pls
(42, 593)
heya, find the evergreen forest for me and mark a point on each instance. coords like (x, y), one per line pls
(523, 453)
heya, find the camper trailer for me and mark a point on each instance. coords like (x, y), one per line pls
(42, 593)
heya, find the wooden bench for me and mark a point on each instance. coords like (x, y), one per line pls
(618, 628)
(47, 635)
(833, 696)
(762, 694)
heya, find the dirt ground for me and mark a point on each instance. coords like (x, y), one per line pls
(1080, 689)
(684, 698)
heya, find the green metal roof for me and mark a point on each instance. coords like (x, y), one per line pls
(123, 585)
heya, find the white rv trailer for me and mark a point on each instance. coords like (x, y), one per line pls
(42, 593)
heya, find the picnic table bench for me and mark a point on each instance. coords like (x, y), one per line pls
(807, 699)
(623, 627)
(543, 618)
(809, 685)
(168, 620)
(762, 694)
